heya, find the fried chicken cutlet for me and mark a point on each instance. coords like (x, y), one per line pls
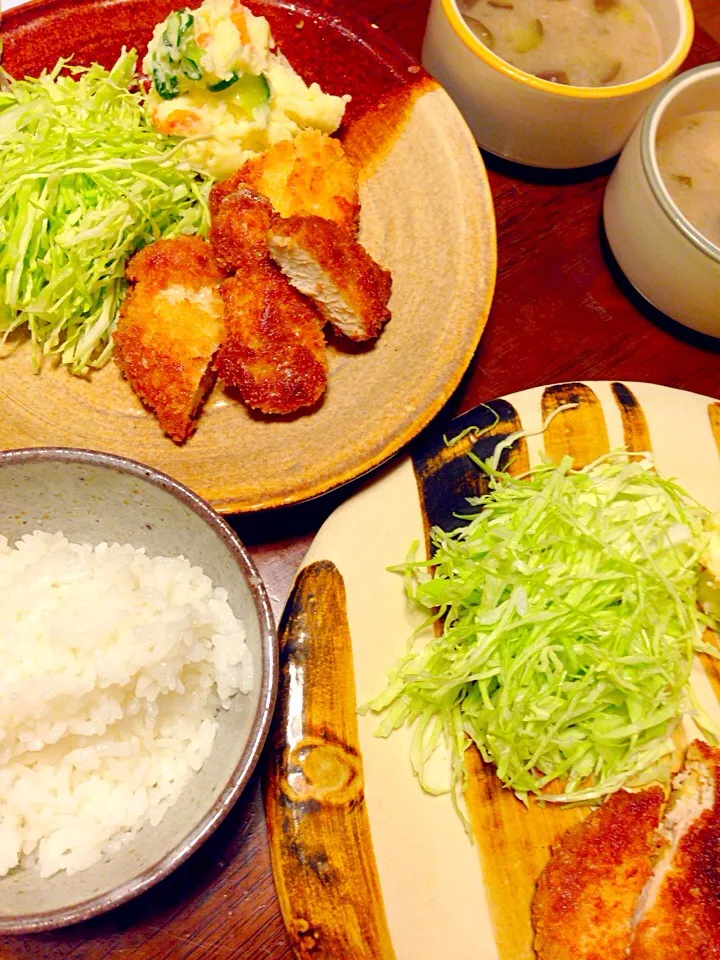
(679, 913)
(169, 330)
(325, 262)
(239, 231)
(307, 175)
(585, 898)
(273, 350)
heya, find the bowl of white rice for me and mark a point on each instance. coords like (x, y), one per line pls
(138, 670)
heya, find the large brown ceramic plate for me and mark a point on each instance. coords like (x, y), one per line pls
(366, 865)
(426, 214)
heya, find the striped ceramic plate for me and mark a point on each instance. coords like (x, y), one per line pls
(367, 865)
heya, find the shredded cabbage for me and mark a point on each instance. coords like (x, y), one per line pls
(85, 181)
(569, 625)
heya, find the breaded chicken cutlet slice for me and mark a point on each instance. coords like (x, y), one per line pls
(169, 330)
(239, 231)
(273, 350)
(325, 262)
(585, 898)
(307, 175)
(678, 916)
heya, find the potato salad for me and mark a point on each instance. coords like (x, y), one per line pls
(216, 77)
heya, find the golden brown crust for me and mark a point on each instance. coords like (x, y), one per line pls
(240, 226)
(307, 175)
(699, 750)
(326, 263)
(585, 898)
(165, 343)
(274, 348)
(683, 922)
(186, 259)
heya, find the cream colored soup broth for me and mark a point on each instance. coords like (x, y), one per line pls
(688, 154)
(586, 43)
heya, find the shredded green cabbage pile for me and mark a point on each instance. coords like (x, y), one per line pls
(85, 181)
(569, 629)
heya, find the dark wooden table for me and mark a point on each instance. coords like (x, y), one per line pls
(562, 311)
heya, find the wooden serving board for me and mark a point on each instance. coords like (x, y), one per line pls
(366, 864)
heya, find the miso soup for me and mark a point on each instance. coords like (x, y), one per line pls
(688, 154)
(586, 43)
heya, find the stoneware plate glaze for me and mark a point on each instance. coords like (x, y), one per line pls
(92, 497)
(426, 215)
(366, 865)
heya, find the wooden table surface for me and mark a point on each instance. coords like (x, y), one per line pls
(562, 311)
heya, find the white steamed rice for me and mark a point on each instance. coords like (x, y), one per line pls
(113, 666)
